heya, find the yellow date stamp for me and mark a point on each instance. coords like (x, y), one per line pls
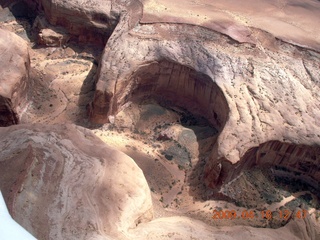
(264, 214)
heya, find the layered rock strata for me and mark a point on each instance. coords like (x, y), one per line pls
(299, 161)
(14, 77)
(62, 182)
(170, 84)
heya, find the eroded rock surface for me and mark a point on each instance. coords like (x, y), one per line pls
(14, 77)
(253, 76)
(263, 94)
(255, 90)
(62, 182)
(294, 21)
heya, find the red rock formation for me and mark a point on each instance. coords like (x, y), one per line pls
(62, 182)
(169, 83)
(237, 88)
(302, 160)
(252, 90)
(260, 92)
(14, 77)
(298, 161)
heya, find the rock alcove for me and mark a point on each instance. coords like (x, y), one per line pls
(178, 112)
(191, 97)
(173, 84)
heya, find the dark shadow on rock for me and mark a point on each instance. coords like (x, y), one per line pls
(85, 97)
(195, 178)
(21, 12)
(8, 116)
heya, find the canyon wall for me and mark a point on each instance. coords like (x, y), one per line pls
(175, 85)
(291, 160)
(302, 160)
(266, 88)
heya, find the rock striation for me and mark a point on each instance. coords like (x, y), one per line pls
(170, 84)
(62, 182)
(300, 158)
(14, 77)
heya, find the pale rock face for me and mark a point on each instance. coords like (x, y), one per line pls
(14, 77)
(294, 21)
(62, 182)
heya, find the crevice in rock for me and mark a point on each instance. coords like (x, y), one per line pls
(7, 114)
(19, 11)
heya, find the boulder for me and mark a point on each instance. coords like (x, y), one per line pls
(87, 21)
(62, 182)
(49, 35)
(14, 77)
